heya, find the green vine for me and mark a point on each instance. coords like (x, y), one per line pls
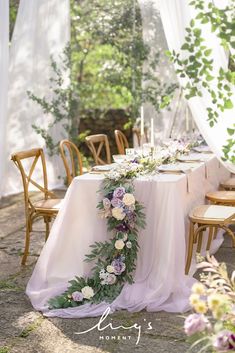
(195, 62)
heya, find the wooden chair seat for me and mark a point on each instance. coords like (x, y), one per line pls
(208, 214)
(221, 197)
(49, 205)
(210, 217)
(228, 184)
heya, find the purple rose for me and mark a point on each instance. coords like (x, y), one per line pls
(119, 266)
(123, 227)
(77, 296)
(195, 323)
(224, 341)
(115, 202)
(119, 192)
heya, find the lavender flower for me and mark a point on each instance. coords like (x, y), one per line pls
(119, 266)
(77, 296)
(195, 323)
(224, 341)
(119, 192)
(115, 202)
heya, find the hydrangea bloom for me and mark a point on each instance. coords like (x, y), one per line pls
(115, 202)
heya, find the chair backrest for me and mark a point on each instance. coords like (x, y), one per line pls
(121, 141)
(136, 132)
(35, 155)
(71, 158)
(99, 144)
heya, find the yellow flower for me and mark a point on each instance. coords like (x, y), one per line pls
(194, 299)
(201, 307)
(198, 288)
(110, 269)
(118, 213)
(215, 300)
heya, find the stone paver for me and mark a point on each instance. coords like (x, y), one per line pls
(25, 330)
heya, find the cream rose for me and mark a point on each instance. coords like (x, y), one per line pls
(118, 213)
(87, 292)
(110, 269)
(128, 199)
(119, 244)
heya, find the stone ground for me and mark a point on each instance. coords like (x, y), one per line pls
(25, 330)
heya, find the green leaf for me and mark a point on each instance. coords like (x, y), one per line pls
(230, 131)
(208, 52)
(228, 104)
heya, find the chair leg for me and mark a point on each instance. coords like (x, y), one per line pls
(210, 237)
(230, 232)
(190, 248)
(199, 243)
(47, 221)
(27, 241)
(215, 232)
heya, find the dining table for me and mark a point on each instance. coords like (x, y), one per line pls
(160, 282)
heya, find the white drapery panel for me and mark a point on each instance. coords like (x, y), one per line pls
(176, 15)
(4, 55)
(42, 30)
(168, 123)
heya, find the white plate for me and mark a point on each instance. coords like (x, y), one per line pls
(103, 168)
(202, 149)
(173, 168)
(191, 158)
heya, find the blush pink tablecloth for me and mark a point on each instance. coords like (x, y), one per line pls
(160, 282)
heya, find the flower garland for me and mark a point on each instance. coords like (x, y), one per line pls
(115, 258)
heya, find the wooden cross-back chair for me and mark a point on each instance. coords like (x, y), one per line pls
(71, 159)
(99, 144)
(48, 207)
(121, 141)
(136, 132)
(210, 217)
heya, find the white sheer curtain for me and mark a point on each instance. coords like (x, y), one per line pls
(175, 15)
(42, 29)
(168, 122)
(4, 55)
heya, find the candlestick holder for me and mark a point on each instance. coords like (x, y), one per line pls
(152, 153)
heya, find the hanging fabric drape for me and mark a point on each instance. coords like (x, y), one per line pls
(4, 55)
(42, 30)
(176, 15)
(167, 123)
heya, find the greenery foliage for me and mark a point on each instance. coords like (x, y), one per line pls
(195, 62)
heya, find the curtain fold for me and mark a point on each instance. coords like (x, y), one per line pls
(176, 15)
(4, 57)
(42, 30)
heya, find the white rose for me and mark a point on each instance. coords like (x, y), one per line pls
(118, 213)
(110, 269)
(119, 244)
(87, 292)
(128, 199)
